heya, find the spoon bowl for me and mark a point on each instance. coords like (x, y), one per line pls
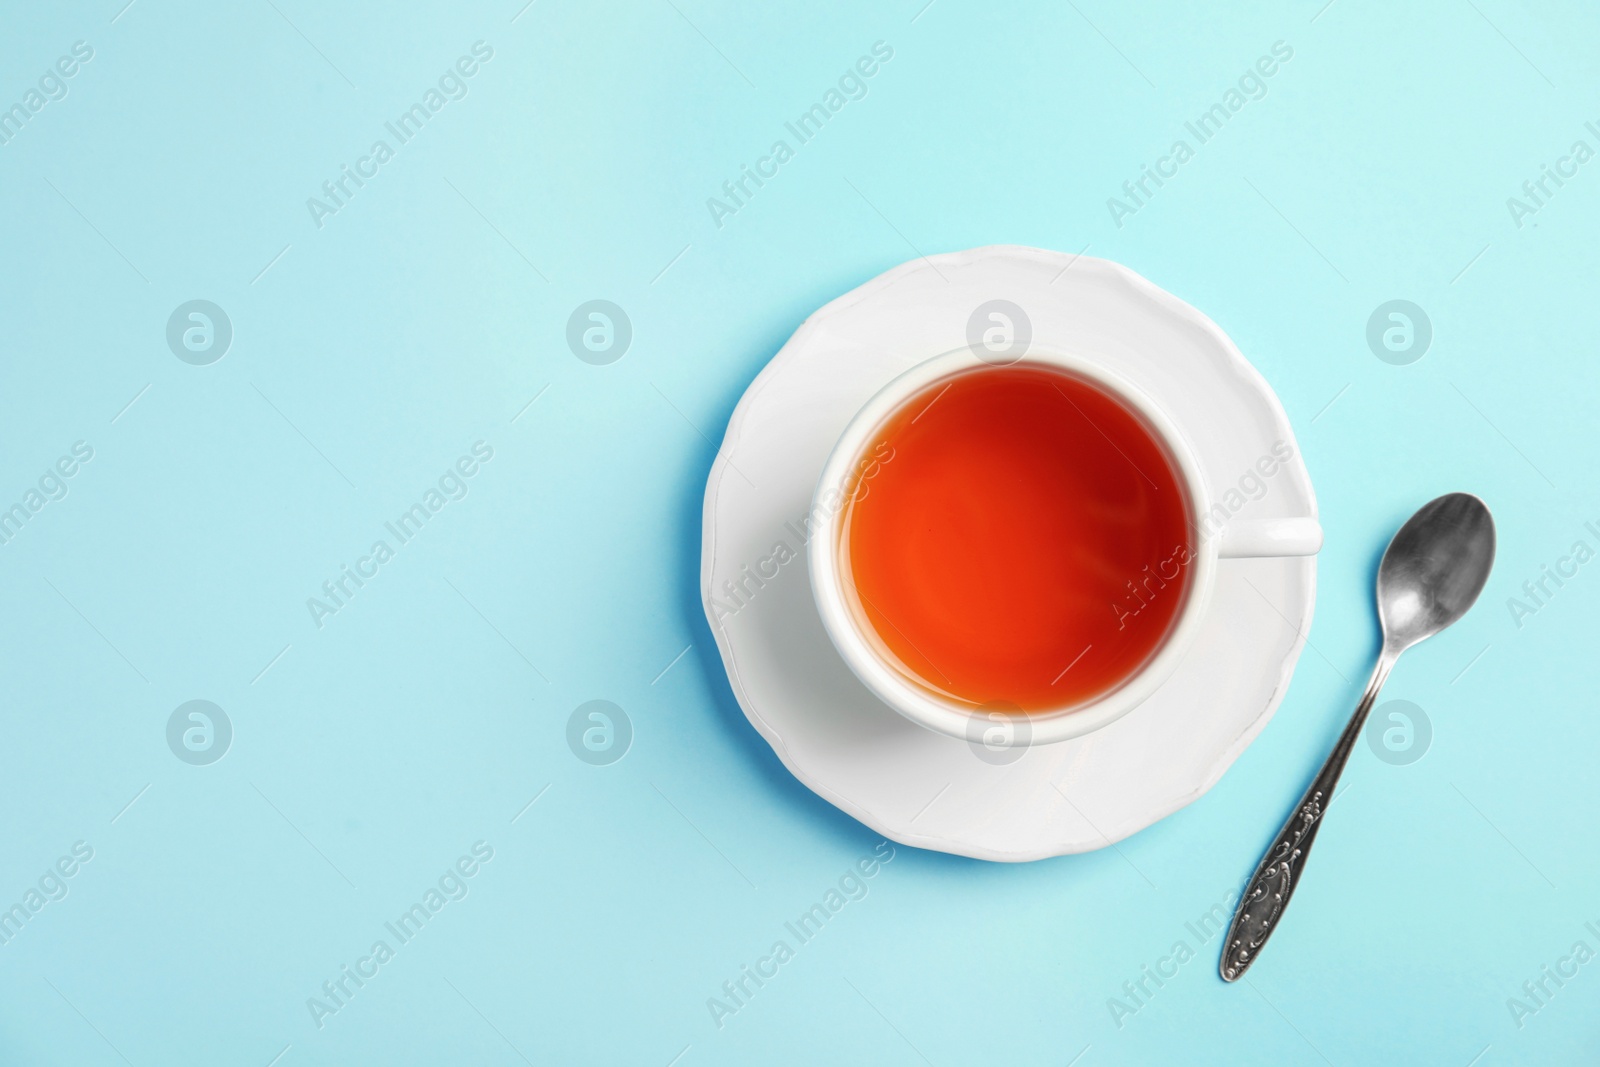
(1434, 569)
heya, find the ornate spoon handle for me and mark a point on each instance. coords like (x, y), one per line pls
(1279, 874)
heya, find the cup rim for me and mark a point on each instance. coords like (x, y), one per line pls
(947, 716)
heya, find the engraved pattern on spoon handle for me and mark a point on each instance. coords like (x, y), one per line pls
(1279, 872)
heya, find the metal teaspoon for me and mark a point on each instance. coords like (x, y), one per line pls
(1431, 573)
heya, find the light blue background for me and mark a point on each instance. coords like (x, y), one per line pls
(425, 715)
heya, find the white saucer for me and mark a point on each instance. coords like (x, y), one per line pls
(909, 783)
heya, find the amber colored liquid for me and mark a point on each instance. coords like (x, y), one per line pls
(1017, 537)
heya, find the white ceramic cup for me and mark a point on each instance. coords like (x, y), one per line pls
(1231, 538)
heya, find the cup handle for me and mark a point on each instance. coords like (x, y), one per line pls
(1245, 539)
